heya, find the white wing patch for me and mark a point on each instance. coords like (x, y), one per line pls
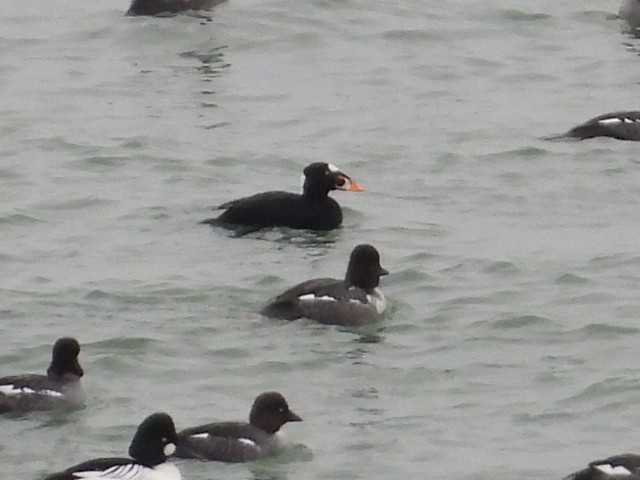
(200, 435)
(310, 297)
(608, 469)
(247, 441)
(378, 300)
(610, 121)
(11, 390)
(130, 471)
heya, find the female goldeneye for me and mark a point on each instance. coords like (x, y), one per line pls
(240, 441)
(313, 210)
(354, 301)
(617, 467)
(620, 125)
(159, 7)
(59, 388)
(154, 441)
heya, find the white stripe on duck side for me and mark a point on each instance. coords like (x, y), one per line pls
(11, 390)
(311, 297)
(133, 471)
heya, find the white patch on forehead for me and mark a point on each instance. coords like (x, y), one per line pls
(200, 435)
(169, 449)
(310, 297)
(332, 168)
(247, 441)
(609, 121)
(608, 469)
(12, 390)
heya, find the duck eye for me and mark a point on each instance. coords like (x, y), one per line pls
(165, 439)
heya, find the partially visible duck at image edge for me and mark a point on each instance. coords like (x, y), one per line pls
(160, 7)
(240, 441)
(154, 441)
(617, 467)
(619, 125)
(313, 210)
(630, 12)
(59, 388)
(354, 301)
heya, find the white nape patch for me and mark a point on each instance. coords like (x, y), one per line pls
(169, 449)
(378, 300)
(608, 469)
(200, 435)
(332, 168)
(610, 121)
(247, 441)
(310, 297)
(11, 390)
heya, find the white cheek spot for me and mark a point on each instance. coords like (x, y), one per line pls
(169, 449)
(609, 121)
(608, 469)
(332, 168)
(248, 442)
(200, 435)
(310, 297)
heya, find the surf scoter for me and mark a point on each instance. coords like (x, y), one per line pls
(154, 441)
(313, 210)
(354, 301)
(240, 441)
(59, 388)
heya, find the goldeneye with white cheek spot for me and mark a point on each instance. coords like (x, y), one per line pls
(354, 301)
(59, 388)
(154, 441)
(240, 441)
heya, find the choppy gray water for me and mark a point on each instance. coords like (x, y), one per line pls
(510, 346)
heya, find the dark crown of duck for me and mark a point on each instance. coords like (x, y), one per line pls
(64, 359)
(153, 435)
(270, 411)
(364, 270)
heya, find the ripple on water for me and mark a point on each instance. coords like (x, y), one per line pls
(571, 279)
(520, 321)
